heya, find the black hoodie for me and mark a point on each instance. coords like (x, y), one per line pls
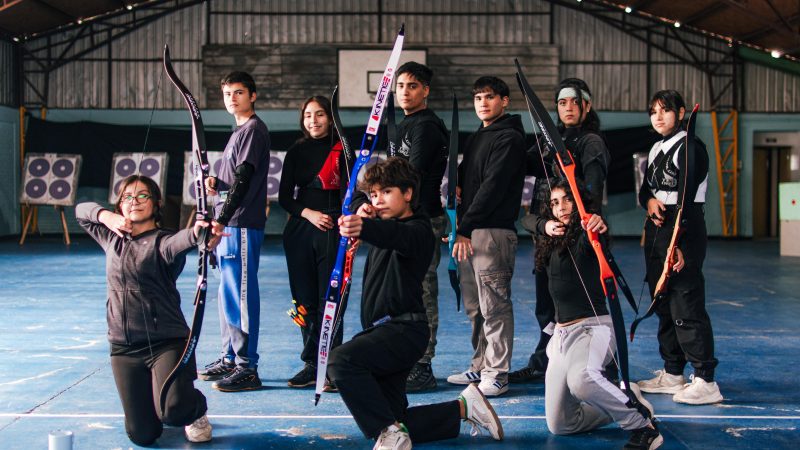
(491, 176)
(424, 142)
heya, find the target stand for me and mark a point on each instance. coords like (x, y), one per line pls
(152, 165)
(49, 179)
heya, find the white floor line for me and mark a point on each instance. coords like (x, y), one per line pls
(322, 417)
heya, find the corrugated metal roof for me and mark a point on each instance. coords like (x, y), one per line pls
(612, 62)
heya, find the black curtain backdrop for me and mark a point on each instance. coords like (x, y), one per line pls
(97, 142)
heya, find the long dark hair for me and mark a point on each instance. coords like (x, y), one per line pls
(150, 184)
(326, 106)
(545, 244)
(592, 121)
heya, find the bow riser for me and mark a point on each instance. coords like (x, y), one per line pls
(666, 272)
(605, 269)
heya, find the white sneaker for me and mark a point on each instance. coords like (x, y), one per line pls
(393, 438)
(199, 430)
(480, 413)
(467, 377)
(637, 392)
(493, 388)
(663, 383)
(698, 392)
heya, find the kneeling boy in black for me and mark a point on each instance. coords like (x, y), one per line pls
(371, 369)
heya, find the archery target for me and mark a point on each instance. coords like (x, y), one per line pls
(152, 165)
(214, 161)
(274, 174)
(639, 169)
(50, 179)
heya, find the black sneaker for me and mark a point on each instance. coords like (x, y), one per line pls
(217, 370)
(645, 438)
(526, 375)
(421, 378)
(241, 379)
(306, 377)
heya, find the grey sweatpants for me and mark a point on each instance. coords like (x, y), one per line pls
(577, 397)
(486, 291)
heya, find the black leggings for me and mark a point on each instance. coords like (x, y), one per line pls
(139, 379)
(310, 257)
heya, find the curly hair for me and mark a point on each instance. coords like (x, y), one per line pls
(545, 244)
(393, 172)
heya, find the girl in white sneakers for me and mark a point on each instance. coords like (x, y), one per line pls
(684, 328)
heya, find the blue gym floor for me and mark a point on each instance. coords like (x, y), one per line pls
(55, 373)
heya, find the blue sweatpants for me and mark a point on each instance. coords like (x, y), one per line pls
(239, 301)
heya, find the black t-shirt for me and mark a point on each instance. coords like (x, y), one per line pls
(248, 144)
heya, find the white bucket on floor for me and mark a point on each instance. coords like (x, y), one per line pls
(59, 440)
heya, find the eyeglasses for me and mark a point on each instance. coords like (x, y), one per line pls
(140, 198)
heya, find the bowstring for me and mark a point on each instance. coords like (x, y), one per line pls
(138, 172)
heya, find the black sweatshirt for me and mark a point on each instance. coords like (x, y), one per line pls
(566, 285)
(143, 304)
(397, 262)
(301, 166)
(491, 176)
(592, 160)
(424, 142)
